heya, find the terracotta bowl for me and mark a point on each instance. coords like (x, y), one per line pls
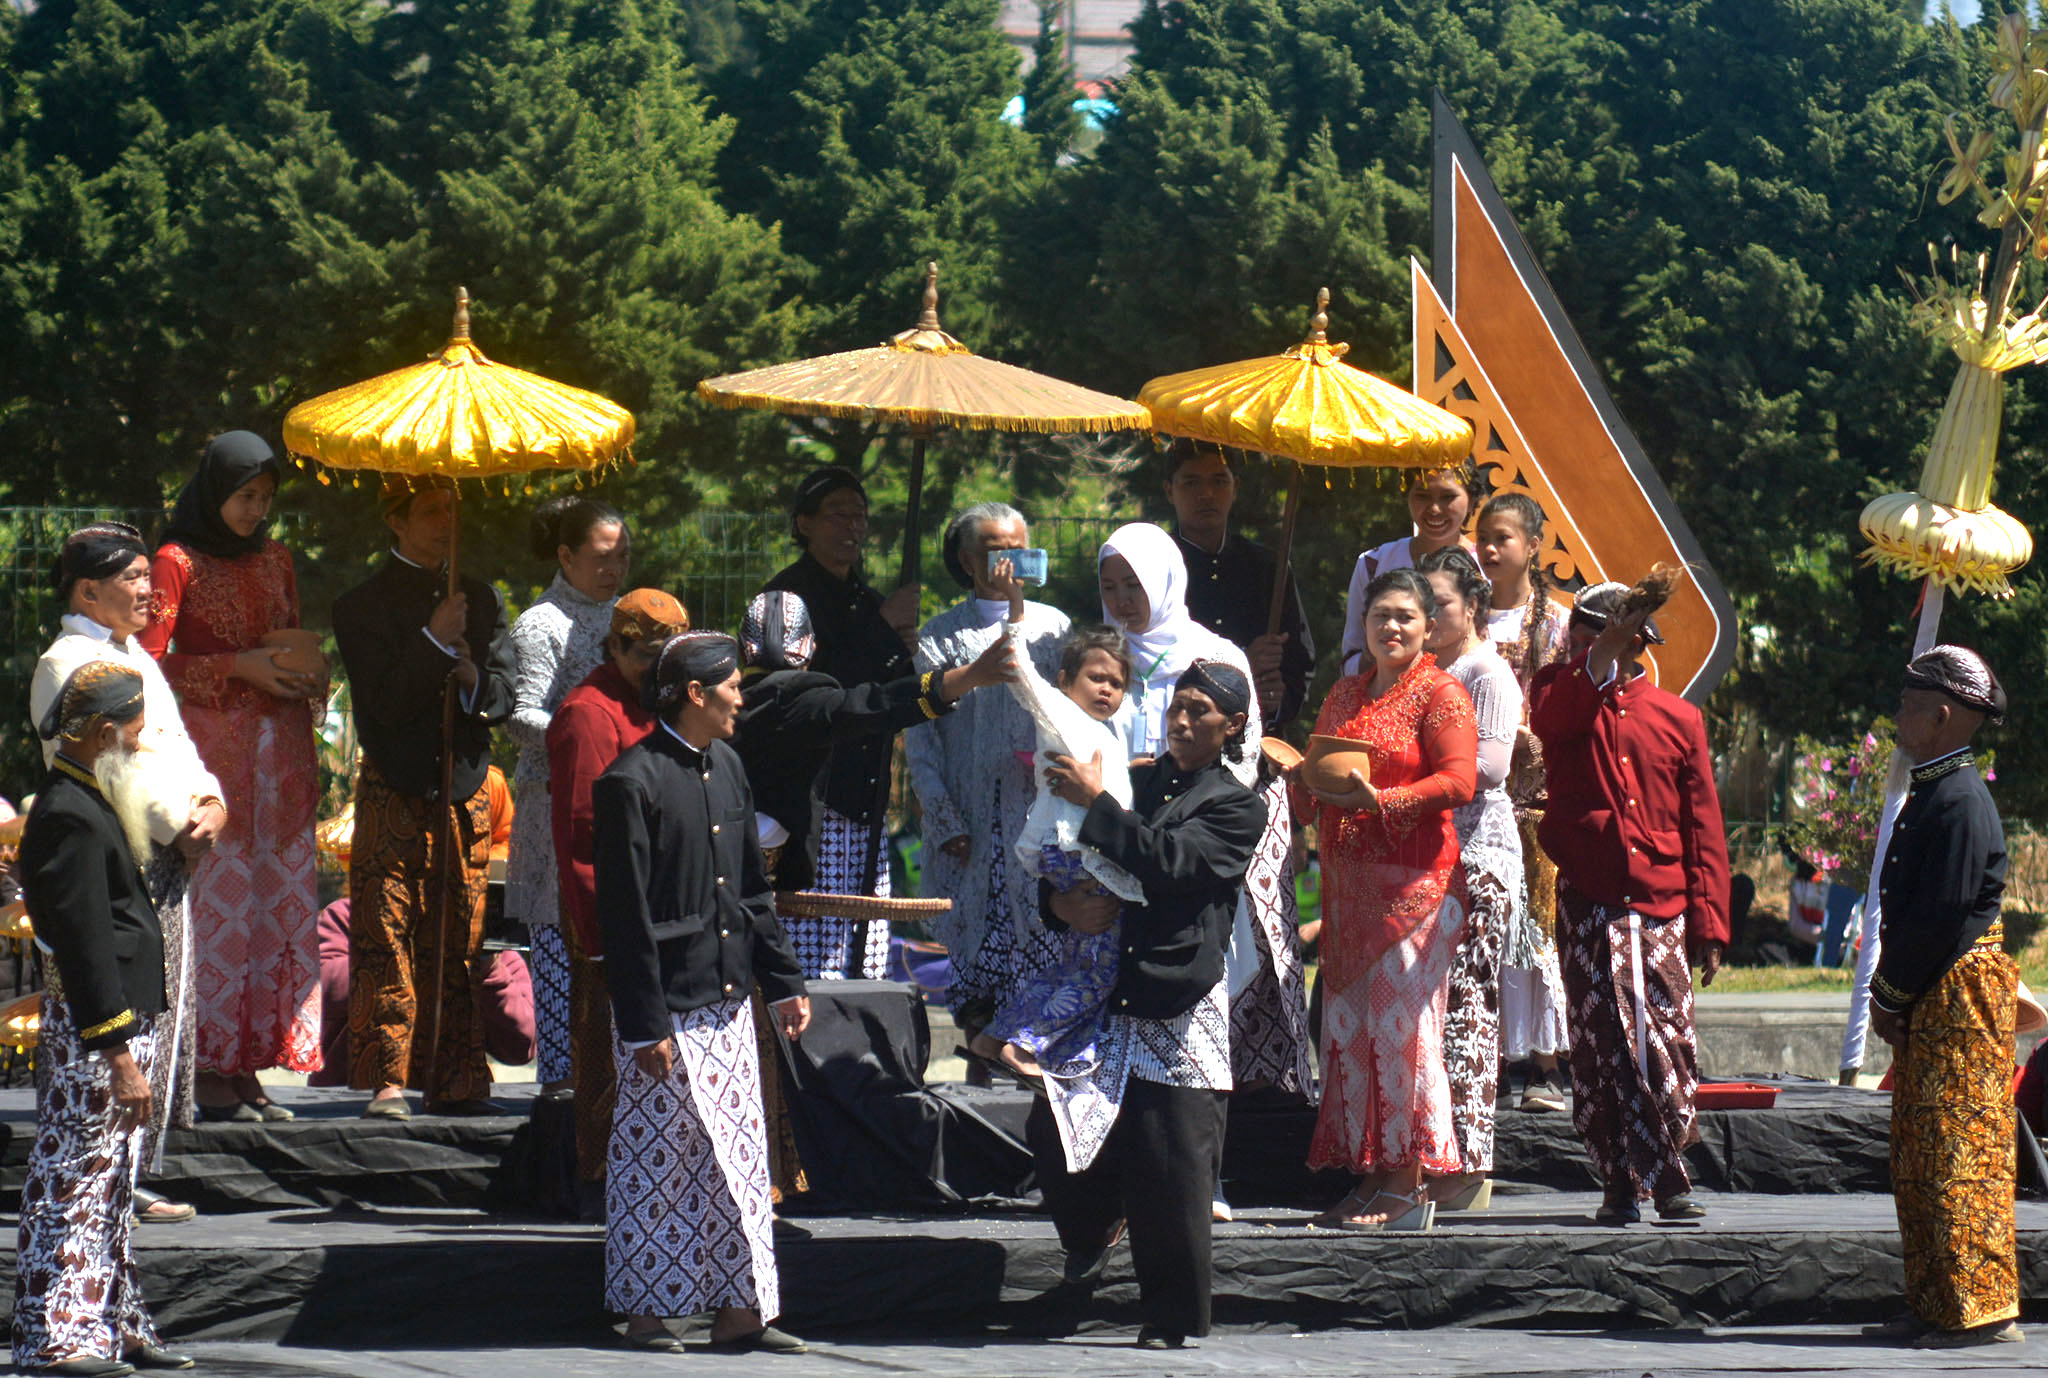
(302, 654)
(1331, 760)
(1280, 752)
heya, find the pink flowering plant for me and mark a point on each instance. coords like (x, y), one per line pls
(1836, 797)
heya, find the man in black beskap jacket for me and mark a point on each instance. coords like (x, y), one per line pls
(78, 1304)
(791, 717)
(1147, 1149)
(689, 928)
(402, 638)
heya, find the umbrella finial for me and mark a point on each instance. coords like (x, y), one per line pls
(1319, 324)
(930, 319)
(461, 313)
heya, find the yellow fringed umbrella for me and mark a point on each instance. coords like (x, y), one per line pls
(1309, 406)
(457, 416)
(924, 379)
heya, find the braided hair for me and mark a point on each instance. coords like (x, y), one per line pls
(1535, 639)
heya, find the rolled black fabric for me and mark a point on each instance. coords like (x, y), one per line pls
(693, 658)
(1961, 674)
(232, 461)
(776, 634)
(1225, 685)
(97, 689)
(99, 551)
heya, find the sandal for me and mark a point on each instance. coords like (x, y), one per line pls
(1418, 1215)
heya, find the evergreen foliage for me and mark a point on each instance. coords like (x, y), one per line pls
(212, 209)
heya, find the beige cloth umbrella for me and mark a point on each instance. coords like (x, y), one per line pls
(924, 379)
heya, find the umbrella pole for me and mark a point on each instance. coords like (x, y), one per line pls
(445, 880)
(1278, 607)
(912, 546)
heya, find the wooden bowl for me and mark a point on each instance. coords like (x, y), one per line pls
(1331, 760)
(302, 654)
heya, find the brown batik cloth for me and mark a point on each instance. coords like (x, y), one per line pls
(393, 863)
(172, 1077)
(591, 1069)
(76, 1291)
(1952, 1145)
(1269, 1038)
(1635, 1058)
(785, 1169)
(1472, 1021)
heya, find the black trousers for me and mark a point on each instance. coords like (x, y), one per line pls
(1158, 1172)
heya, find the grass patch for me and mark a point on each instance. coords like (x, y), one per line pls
(1749, 980)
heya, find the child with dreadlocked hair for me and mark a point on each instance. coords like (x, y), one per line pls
(1529, 630)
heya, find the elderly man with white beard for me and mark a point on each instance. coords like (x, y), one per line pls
(78, 1304)
(103, 580)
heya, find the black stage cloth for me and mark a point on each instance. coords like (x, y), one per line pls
(880, 1139)
(1534, 1262)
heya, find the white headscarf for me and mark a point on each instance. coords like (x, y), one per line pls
(1171, 641)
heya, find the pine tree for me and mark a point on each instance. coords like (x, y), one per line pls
(1049, 114)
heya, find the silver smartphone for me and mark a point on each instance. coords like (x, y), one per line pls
(1028, 565)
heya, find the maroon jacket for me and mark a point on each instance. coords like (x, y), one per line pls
(597, 721)
(1634, 818)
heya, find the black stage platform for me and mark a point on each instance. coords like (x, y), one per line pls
(454, 1278)
(332, 1230)
(1818, 1139)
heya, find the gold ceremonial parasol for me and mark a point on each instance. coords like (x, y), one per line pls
(1309, 406)
(457, 416)
(924, 379)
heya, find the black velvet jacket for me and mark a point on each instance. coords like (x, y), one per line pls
(1943, 879)
(1188, 839)
(790, 720)
(1231, 593)
(90, 907)
(682, 898)
(855, 646)
(396, 674)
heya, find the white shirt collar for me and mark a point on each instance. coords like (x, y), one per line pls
(1946, 755)
(81, 625)
(668, 727)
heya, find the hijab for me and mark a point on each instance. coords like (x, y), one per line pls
(1172, 640)
(232, 461)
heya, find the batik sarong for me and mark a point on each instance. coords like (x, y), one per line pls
(1635, 1058)
(1269, 1038)
(1472, 1022)
(552, 978)
(1015, 949)
(785, 1168)
(1532, 1000)
(590, 1057)
(1190, 1051)
(1057, 1014)
(689, 1223)
(173, 1067)
(1386, 1095)
(394, 865)
(1952, 1145)
(76, 1290)
(825, 946)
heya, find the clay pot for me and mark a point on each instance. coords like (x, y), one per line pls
(302, 654)
(1280, 752)
(1331, 760)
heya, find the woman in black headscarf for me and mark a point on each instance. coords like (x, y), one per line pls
(222, 590)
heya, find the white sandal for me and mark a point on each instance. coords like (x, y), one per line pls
(1420, 1215)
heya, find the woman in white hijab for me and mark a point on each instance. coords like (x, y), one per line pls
(1144, 596)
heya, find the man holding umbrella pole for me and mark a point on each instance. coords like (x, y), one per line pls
(402, 638)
